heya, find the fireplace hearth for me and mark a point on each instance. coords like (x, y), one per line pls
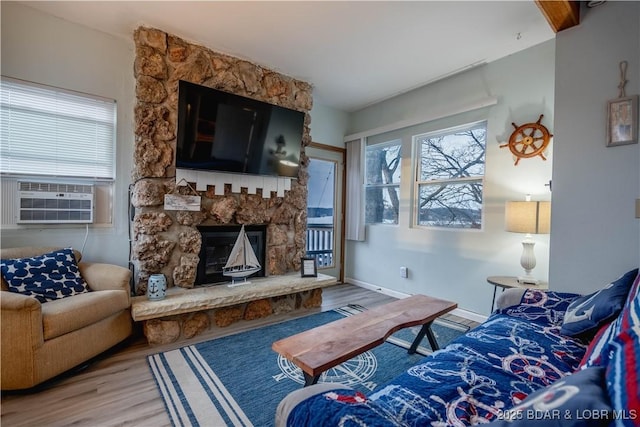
(217, 242)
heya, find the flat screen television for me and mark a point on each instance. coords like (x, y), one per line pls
(220, 131)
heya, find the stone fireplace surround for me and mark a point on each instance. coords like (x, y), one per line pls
(169, 242)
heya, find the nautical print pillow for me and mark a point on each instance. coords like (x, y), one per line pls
(623, 370)
(46, 277)
(600, 349)
(585, 315)
(596, 354)
(579, 399)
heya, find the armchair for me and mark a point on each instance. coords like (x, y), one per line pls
(42, 340)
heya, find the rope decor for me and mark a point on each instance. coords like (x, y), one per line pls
(623, 79)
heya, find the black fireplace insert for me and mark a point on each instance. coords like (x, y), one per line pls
(217, 242)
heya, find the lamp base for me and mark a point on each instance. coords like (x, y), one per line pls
(528, 261)
(528, 280)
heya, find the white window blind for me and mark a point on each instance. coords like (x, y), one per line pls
(54, 132)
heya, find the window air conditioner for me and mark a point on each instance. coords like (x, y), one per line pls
(54, 203)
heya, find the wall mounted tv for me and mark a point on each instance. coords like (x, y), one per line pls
(220, 131)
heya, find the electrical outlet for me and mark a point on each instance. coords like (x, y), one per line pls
(404, 272)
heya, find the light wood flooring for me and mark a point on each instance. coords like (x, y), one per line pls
(117, 388)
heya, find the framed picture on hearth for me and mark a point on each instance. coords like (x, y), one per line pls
(622, 123)
(308, 267)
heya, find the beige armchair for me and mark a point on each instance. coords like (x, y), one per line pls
(40, 341)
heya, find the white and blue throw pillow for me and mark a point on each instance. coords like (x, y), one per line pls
(46, 277)
(585, 315)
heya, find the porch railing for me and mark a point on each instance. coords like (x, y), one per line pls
(320, 244)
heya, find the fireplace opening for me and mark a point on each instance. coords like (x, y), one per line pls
(217, 243)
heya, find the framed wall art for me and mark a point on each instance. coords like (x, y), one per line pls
(622, 121)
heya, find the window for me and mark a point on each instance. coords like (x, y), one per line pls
(382, 183)
(449, 178)
(48, 131)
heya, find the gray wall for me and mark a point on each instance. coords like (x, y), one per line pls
(594, 235)
(454, 264)
(328, 125)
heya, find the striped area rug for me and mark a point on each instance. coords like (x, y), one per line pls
(192, 392)
(238, 380)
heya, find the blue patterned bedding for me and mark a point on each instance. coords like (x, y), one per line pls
(493, 367)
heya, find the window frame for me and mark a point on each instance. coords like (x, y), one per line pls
(104, 184)
(418, 183)
(366, 185)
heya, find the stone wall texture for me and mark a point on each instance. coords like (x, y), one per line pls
(169, 329)
(167, 241)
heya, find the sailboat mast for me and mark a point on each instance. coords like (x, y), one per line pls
(244, 254)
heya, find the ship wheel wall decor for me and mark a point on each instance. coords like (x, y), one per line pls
(528, 140)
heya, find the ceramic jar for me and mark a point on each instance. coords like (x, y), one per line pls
(156, 287)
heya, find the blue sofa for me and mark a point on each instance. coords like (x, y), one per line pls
(544, 357)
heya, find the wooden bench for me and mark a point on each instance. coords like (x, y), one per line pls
(327, 346)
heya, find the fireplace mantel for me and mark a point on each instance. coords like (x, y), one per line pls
(181, 300)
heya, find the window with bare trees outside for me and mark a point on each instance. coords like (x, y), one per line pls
(382, 183)
(449, 178)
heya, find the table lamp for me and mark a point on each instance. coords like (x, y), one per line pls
(530, 218)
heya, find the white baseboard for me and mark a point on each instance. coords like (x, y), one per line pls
(465, 314)
(470, 315)
(375, 288)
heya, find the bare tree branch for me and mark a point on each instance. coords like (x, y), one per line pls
(446, 159)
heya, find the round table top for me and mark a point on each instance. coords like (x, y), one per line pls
(512, 282)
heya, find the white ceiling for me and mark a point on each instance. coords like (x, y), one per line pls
(354, 53)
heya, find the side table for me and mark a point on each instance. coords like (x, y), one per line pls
(507, 282)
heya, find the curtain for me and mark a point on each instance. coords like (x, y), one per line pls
(354, 227)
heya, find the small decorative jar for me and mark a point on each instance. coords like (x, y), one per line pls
(156, 287)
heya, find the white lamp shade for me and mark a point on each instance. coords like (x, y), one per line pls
(528, 217)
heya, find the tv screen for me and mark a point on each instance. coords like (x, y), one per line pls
(220, 131)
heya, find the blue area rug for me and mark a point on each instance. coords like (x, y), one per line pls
(238, 380)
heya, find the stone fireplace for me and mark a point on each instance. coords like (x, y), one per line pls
(217, 243)
(170, 242)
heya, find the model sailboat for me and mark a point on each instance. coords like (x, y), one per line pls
(242, 261)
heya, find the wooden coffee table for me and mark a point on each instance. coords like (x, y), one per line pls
(327, 346)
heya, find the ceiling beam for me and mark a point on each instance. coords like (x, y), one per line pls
(561, 14)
